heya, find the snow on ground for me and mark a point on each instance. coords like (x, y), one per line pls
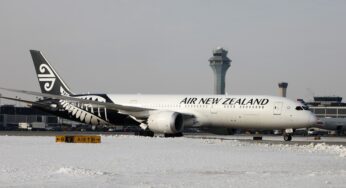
(130, 161)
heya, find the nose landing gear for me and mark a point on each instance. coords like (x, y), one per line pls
(288, 134)
(287, 137)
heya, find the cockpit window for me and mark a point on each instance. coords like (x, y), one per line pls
(302, 108)
(299, 108)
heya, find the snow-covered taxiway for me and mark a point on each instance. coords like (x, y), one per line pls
(130, 161)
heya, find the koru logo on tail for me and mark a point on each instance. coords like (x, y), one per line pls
(47, 77)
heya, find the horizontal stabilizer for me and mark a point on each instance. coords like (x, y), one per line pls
(21, 100)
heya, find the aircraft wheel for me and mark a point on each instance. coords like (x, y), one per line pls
(231, 131)
(150, 134)
(339, 130)
(174, 135)
(145, 133)
(287, 137)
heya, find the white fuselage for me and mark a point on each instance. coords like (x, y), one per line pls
(233, 111)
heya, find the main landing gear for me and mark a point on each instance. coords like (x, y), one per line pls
(147, 133)
(174, 135)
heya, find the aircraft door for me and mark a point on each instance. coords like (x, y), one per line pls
(277, 108)
(213, 109)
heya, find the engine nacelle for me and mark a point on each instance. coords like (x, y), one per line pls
(166, 122)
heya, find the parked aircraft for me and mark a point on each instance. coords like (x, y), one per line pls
(332, 124)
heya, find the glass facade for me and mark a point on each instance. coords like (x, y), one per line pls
(319, 111)
(329, 111)
(342, 111)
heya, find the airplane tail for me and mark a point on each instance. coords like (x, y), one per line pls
(49, 80)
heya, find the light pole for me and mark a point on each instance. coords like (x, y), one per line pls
(15, 111)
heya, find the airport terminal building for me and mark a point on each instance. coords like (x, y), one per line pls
(12, 116)
(331, 107)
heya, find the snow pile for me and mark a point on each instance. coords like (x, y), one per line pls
(334, 149)
(338, 150)
(79, 172)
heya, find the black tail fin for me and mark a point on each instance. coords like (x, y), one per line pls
(49, 80)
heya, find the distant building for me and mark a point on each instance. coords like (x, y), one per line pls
(219, 63)
(11, 115)
(328, 107)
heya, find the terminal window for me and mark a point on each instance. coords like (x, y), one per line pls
(331, 111)
(342, 111)
(319, 111)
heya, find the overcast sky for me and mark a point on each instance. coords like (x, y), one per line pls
(163, 47)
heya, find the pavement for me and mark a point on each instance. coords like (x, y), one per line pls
(267, 139)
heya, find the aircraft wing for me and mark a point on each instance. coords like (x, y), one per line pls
(21, 100)
(134, 111)
(112, 106)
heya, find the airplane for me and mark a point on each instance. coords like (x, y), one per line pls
(332, 124)
(165, 114)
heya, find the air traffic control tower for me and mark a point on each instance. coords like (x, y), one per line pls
(283, 89)
(219, 63)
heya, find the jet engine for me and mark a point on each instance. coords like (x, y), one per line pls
(166, 122)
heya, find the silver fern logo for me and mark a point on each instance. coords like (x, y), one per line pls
(63, 92)
(83, 115)
(47, 77)
(84, 112)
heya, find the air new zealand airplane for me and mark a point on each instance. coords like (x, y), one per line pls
(167, 114)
